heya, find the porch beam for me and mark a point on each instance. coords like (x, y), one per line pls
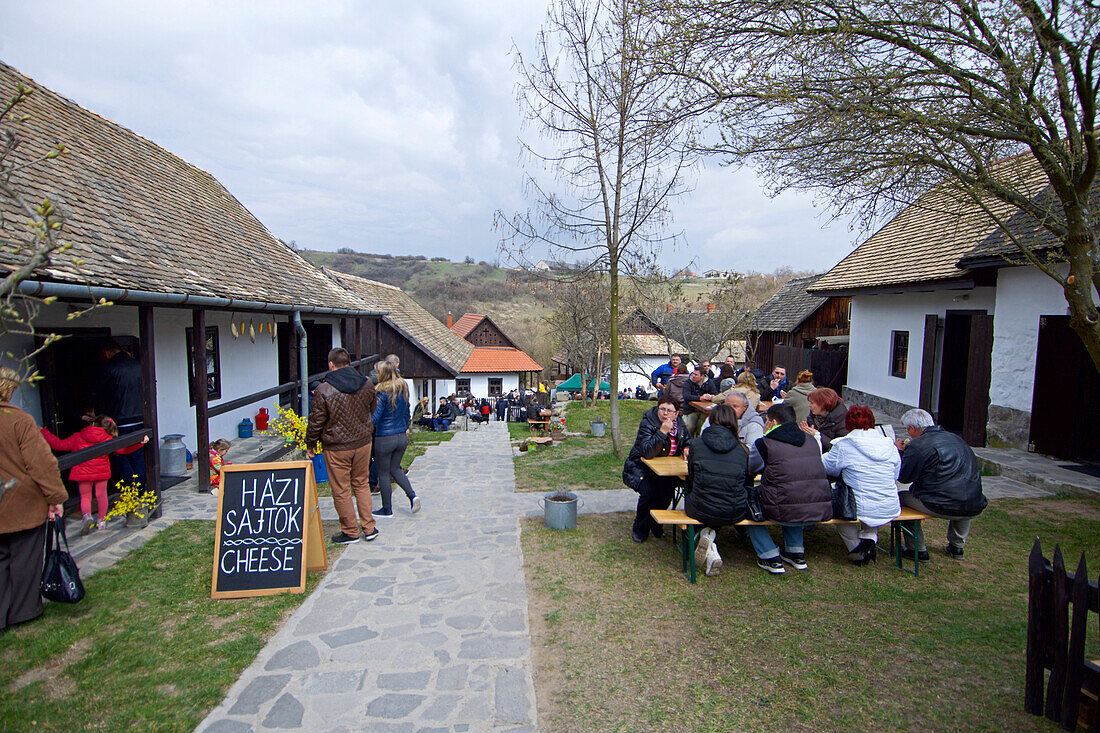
(146, 355)
(198, 385)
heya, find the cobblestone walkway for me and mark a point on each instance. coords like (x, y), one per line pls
(423, 629)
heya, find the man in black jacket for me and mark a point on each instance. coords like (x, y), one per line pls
(660, 433)
(698, 388)
(946, 480)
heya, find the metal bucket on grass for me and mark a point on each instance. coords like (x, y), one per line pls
(559, 514)
(598, 427)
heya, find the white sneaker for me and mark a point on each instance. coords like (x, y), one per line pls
(714, 561)
(87, 524)
(415, 501)
(702, 550)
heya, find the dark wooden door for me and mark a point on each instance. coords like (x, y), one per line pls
(964, 374)
(1066, 398)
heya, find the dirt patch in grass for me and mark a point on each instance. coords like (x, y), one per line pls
(623, 642)
(52, 668)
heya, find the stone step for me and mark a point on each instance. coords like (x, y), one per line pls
(1036, 470)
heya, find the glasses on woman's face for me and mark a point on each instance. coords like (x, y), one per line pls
(666, 411)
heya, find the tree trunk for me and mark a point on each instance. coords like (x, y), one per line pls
(616, 432)
(584, 392)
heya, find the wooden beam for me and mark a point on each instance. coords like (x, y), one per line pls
(198, 384)
(147, 358)
(292, 364)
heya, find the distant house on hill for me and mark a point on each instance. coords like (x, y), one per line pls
(223, 317)
(799, 331)
(946, 317)
(496, 365)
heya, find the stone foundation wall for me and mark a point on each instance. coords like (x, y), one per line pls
(876, 403)
(1007, 427)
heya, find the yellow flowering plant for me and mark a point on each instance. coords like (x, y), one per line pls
(132, 502)
(292, 427)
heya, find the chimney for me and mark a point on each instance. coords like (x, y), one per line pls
(710, 307)
(449, 320)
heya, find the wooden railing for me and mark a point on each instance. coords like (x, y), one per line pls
(69, 460)
(1056, 641)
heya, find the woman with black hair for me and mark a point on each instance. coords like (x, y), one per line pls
(660, 433)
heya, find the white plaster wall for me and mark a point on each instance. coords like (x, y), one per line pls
(648, 364)
(479, 384)
(875, 317)
(1023, 295)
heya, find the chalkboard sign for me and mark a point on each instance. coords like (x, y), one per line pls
(269, 530)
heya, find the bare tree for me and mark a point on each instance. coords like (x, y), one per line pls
(579, 325)
(875, 103)
(30, 230)
(616, 155)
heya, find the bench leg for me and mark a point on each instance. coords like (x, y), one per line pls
(689, 549)
(898, 531)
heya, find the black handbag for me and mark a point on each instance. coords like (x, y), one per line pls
(60, 576)
(844, 501)
(752, 504)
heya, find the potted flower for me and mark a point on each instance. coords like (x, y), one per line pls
(292, 428)
(557, 427)
(136, 507)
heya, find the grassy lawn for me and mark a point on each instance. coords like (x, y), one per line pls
(623, 642)
(418, 443)
(578, 463)
(147, 648)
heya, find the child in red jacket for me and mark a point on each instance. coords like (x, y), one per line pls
(93, 473)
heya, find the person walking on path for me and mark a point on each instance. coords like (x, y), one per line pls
(25, 458)
(340, 420)
(391, 438)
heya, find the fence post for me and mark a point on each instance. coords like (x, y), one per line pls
(1071, 699)
(1036, 630)
(1059, 623)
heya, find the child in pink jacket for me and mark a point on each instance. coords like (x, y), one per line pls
(94, 473)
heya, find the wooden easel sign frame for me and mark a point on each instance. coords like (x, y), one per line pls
(268, 530)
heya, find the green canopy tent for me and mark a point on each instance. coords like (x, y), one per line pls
(573, 384)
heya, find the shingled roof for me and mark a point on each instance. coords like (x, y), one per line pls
(412, 320)
(929, 240)
(789, 307)
(499, 359)
(140, 218)
(467, 323)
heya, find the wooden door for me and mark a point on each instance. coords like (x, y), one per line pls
(964, 374)
(979, 366)
(1066, 397)
(953, 367)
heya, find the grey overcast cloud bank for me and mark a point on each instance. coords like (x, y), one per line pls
(384, 127)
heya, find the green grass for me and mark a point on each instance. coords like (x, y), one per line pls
(578, 463)
(623, 641)
(147, 648)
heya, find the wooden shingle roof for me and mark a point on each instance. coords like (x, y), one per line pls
(411, 319)
(929, 239)
(789, 307)
(467, 323)
(140, 218)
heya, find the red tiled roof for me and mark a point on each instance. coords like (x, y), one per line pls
(499, 359)
(464, 325)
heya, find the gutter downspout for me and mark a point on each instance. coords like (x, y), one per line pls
(303, 375)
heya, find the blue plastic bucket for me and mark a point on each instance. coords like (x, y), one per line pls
(244, 428)
(320, 473)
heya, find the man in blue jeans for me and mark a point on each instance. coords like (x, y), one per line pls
(794, 491)
(441, 421)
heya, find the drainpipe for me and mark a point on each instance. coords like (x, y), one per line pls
(303, 375)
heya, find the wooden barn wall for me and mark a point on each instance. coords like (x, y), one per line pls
(830, 368)
(486, 334)
(831, 319)
(415, 364)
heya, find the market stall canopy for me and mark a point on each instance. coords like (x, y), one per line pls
(573, 384)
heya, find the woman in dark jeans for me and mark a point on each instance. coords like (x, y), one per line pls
(391, 437)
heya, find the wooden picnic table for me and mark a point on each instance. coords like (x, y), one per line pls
(702, 406)
(763, 406)
(672, 466)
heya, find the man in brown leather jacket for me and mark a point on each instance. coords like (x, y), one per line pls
(340, 419)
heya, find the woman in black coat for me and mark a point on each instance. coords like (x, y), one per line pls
(660, 433)
(717, 486)
(827, 415)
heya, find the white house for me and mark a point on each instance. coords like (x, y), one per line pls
(495, 365)
(945, 317)
(194, 278)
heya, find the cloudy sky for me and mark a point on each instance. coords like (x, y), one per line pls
(384, 127)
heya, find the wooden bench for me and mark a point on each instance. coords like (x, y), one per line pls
(541, 425)
(899, 529)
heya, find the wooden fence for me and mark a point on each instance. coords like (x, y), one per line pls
(830, 368)
(1056, 641)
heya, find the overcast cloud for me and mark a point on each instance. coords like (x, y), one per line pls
(384, 127)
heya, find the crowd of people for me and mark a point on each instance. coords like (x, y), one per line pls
(795, 451)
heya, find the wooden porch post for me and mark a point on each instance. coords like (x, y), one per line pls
(292, 363)
(149, 402)
(198, 384)
(358, 339)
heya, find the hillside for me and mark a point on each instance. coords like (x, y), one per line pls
(518, 301)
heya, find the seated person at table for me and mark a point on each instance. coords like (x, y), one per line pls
(750, 427)
(422, 413)
(796, 395)
(727, 369)
(697, 389)
(705, 363)
(946, 480)
(868, 463)
(746, 385)
(794, 491)
(777, 383)
(827, 413)
(725, 386)
(716, 493)
(665, 372)
(660, 433)
(444, 416)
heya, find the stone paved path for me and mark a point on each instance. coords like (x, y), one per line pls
(423, 629)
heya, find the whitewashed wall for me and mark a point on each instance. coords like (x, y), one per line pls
(245, 367)
(631, 380)
(479, 384)
(875, 317)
